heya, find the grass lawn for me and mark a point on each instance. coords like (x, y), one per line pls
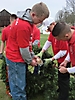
(43, 39)
(3, 95)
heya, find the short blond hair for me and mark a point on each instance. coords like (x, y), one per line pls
(41, 10)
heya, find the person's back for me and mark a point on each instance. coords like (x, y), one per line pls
(21, 31)
(12, 51)
(36, 36)
(6, 31)
(58, 45)
(4, 40)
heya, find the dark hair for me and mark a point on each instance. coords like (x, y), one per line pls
(14, 16)
(58, 28)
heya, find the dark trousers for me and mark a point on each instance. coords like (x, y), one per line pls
(63, 84)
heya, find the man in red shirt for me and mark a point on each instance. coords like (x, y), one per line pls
(19, 51)
(4, 39)
(36, 41)
(5, 33)
(63, 31)
(60, 50)
(36, 36)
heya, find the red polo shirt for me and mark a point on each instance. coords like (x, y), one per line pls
(19, 38)
(57, 46)
(36, 35)
(5, 33)
(72, 49)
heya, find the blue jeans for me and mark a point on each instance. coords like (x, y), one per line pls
(17, 79)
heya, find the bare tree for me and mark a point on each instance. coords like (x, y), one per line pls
(59, 15)
(67, 14)
(70, 5)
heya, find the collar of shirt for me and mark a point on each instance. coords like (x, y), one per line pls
(72, 40)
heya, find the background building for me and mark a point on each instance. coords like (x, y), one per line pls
(4, 18)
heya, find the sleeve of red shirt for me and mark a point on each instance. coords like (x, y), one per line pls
(3, 37)
(50, 37)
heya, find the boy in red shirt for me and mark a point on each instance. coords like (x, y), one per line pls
(63, 31)
(5, 33)
(36, 41)
(19, 51)
(4, 39)
(60, 50)
(36, 36)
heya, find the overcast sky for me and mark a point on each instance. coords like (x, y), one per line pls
(19, 5)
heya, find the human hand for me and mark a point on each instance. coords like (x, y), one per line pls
(63, 70)
(1, 55)
(34, 62)
(64, 64)
(39, 61)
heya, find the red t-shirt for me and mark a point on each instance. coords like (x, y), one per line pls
(5, 33)
(72, 49)
(57, 46)
(19, 38)
(36, 35)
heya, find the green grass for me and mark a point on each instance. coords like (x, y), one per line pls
(3, 95)
(43, 39)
